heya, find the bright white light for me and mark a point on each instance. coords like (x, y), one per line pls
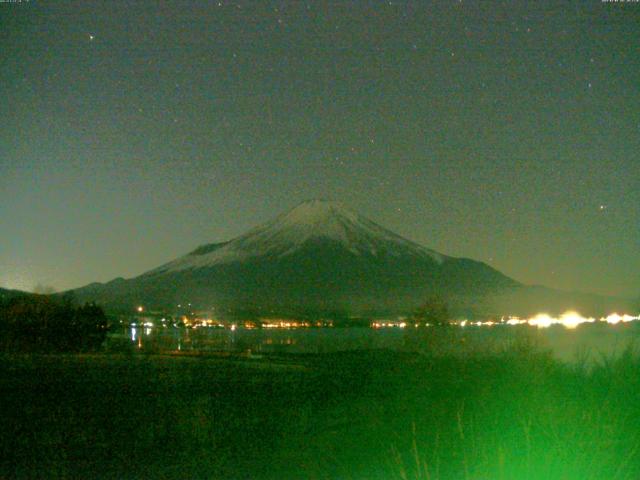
(542, 320)
(573, 319)
(614, 318)
(569, 320)
(515, 321)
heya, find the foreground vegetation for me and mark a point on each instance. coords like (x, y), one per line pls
(516, 414)
(45, 323)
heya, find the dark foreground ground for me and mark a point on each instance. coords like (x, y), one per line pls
(368, 415)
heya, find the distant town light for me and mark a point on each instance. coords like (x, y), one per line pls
(542, 320)
(614, 318)
(570, 320)
(140, 309)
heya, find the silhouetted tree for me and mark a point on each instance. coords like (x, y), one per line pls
(434, 311)
(434, 339)
(48, 324)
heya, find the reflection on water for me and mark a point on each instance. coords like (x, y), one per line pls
(315, 340)
(594, 340)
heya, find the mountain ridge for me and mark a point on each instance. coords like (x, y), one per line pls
(322, 257)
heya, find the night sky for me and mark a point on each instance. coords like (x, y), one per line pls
(508, 132)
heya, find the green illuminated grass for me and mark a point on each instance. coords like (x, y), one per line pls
(516, 414)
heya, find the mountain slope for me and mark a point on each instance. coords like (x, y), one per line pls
(321, 258)
(318, 257)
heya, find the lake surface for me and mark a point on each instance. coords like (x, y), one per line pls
(589, 340)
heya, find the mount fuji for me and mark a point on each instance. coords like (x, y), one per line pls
(319, 258)
(314, 224)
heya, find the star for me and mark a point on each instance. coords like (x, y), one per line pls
(91, 37)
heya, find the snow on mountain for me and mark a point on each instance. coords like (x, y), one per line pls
(315, 220)
(321, 258)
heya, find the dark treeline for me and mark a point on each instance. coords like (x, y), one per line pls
(43, 323)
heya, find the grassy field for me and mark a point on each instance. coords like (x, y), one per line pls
(515, 414)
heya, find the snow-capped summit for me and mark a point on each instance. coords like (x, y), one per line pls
(316, 211)
(311, 222)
